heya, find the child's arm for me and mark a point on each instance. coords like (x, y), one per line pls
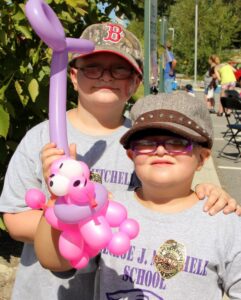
(46, 248)
(46, 238)
(23, 225)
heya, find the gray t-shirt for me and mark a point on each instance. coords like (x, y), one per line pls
(103, 154)
(213, 256)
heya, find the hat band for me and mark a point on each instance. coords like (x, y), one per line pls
(165, 115)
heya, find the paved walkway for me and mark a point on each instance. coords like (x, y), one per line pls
(221, 171)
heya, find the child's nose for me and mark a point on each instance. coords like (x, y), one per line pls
(161, 150)
(107, 75)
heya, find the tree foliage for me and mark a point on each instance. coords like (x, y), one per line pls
(219, 28)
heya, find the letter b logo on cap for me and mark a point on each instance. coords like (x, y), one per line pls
(115, 33)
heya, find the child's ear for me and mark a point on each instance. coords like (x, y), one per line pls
(73, 76)
(129, 153)
(204, 154)
(138, 82)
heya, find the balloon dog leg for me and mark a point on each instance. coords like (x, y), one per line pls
(96, 232)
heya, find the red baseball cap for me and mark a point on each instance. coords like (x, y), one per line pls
(113, 38)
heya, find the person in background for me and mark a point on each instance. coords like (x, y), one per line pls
(210, 83)
(169, 68)
(180, 252)
(210, 91)
(154, 86)
(104, 81)
(225, 74)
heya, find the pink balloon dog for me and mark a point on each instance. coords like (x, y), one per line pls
(82, 211)
(83, 214)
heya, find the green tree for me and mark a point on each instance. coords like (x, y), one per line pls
(218, 29)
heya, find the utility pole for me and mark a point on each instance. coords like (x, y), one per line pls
(150, 42)
(163, 25)
(196, 38)
(147, 47)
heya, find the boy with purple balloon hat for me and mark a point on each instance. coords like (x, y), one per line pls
(104, 80)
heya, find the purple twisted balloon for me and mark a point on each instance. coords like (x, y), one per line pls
(48, 27)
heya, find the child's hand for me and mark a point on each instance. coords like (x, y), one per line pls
(50, 153)
(218, 199)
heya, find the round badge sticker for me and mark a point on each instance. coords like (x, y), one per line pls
(96, 177)
(170, 259)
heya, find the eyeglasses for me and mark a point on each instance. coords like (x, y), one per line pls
(172, 145)
(97, 71)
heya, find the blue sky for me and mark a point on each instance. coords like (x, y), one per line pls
(103, 5)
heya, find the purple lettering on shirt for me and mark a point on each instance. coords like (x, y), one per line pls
(139, 276)
(113, 178)
(186, 264)
(141, 258)
(107, 176)
(204, 272)
(193, 265)
(126, 276)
